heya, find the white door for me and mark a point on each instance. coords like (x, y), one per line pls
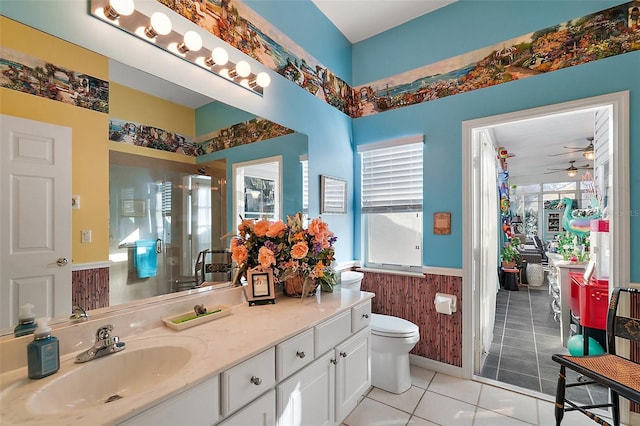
(35, 217)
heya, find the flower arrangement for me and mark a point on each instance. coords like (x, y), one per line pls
(290, 250)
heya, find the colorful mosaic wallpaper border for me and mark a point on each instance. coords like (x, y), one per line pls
(589, 38)
(241, 27)
(34, 76)
(606, 33)
(255, 130)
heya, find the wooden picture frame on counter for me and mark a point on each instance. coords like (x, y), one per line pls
(260, 288)
(442, 223)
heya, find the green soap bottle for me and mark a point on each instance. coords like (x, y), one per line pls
(26, 321)
(43, 354)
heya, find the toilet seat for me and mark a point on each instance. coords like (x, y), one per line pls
(388, 326)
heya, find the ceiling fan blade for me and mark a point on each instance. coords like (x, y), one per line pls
(574, 148)
(555, 171)
(562, 153)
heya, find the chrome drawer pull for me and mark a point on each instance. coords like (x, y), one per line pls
(365, 315)
(343, 354)
(300, 354)
(256, 380)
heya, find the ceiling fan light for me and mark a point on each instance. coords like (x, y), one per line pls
(589, 154)
(572, 173)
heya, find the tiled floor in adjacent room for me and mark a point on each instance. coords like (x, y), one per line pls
(438, 399)
(525, 335)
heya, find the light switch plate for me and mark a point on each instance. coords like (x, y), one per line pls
(75, 201)
(85, 236)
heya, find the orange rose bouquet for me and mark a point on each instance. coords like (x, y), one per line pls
(289, 249)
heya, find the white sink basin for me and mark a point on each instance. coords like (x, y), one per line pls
(141, 366)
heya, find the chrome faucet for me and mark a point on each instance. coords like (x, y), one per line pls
(78, 314)
(105, 344)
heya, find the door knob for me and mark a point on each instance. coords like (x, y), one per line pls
(62, 261)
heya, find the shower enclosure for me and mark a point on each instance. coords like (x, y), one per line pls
(162, 214)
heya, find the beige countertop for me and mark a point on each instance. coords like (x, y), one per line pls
(215, 345)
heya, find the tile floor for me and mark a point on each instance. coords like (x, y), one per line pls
(438, 399)
(525, 335)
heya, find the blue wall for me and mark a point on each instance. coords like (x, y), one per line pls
(457, 29)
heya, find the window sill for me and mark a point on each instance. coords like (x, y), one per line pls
(391, 272)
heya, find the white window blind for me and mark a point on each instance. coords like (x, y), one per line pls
(392, 179)
(305, 185)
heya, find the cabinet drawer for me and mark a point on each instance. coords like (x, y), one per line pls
(247, 381)
(360, 316)
(197, 405)
(294, 354)
(331, 332)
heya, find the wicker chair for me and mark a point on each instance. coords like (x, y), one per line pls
(619, 374)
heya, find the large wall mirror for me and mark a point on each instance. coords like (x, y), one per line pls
(178, 208)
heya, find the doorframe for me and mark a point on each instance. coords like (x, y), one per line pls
(619, 200)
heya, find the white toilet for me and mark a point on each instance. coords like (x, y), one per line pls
(391, 340)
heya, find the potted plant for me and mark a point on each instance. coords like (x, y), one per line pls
(510, 255)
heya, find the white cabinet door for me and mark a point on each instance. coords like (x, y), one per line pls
(261, 412)
(353, 372)
(195, 406)
(308, 397)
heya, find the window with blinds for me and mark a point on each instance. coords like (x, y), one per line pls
(392, 204)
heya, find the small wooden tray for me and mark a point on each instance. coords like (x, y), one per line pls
(189, 319)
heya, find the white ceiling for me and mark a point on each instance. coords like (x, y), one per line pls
(536, 142)
(361, 19)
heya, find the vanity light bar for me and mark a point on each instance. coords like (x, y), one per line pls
(157, 29)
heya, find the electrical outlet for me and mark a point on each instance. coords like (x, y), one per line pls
(86, 236)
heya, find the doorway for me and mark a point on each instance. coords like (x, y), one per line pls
(475, 323)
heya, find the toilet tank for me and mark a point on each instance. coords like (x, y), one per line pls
(351, 280)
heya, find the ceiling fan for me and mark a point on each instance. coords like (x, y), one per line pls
(572, 170)
(588, 151)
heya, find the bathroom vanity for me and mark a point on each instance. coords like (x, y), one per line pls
(293, 362)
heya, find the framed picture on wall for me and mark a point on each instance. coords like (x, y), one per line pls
(260, 288)
(333, 195)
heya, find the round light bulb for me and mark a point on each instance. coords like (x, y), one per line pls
(243, 68)
(192, 41)
(263, 79)
(122, 7)
(219, 56)
(161, 23)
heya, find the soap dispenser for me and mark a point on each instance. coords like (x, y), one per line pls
(43, 354)
(26, 321)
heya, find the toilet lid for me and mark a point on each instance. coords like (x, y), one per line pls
(386, 325)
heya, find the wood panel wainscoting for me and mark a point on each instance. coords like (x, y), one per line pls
(412, 298)
(90, 288)
(635, 346)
